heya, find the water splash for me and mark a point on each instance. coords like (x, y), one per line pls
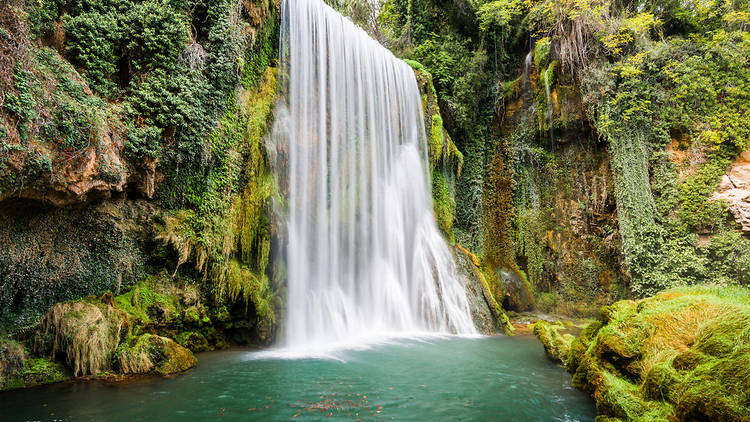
(365, 257)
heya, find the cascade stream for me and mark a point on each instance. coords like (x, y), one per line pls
(365, 258)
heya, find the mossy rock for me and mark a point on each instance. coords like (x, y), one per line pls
(154, 354)
(556, 345)
(579, 345)
(660, 382)
(688, 360)
(193, 340)
(681, 355)
(151, 301)
(36, 371)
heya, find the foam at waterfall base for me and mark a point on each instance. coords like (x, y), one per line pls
(340, 350)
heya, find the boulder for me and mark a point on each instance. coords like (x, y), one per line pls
(150, 353)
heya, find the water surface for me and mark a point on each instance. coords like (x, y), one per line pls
(432, 379)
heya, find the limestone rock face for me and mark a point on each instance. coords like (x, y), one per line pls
(735, 189)
(488, 317)
(95, 172)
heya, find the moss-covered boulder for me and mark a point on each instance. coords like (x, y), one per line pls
(487, 315)
(153, 354)
(556, 345)
(175, 309)
(132, 332)
(682, 355)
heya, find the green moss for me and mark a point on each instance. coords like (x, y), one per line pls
(556, 345)
(145, 303)
(150, 353)
(35, 371)
(541, 53)
(501, 316)
(416, 65)
(445, 160)
(660, 382)
(512, 90)
(193, 340)
(580, 345)
(717, 389)
(680, 355)
(444, 203)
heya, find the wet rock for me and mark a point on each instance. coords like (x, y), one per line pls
(488, 317)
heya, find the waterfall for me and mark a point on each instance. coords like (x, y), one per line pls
(364, 255)
(526, 66)
(550, 106)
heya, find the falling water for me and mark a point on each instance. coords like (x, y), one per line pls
(526, 66)
(365, 257)
(550, 104)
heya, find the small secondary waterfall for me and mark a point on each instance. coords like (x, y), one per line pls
(365, 257)
(550, 104)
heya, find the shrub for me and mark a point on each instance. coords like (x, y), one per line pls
(93, 43)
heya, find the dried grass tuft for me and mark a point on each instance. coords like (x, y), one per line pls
(87, 334)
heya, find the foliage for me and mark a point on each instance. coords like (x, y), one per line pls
(227, 234)
(499, 14)
(156, 35)
(173, 63)
(21, 103)
(94, 44)
(679, 86)
(51, 119)
(257, 59)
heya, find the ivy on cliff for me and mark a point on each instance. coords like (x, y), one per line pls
(695, 89)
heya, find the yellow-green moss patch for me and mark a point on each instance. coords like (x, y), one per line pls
(556, 345)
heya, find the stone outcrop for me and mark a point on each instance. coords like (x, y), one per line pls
(95, 172)
(735, 189)
(487, 315)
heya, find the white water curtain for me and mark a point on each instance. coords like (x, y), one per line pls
(365, 257)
